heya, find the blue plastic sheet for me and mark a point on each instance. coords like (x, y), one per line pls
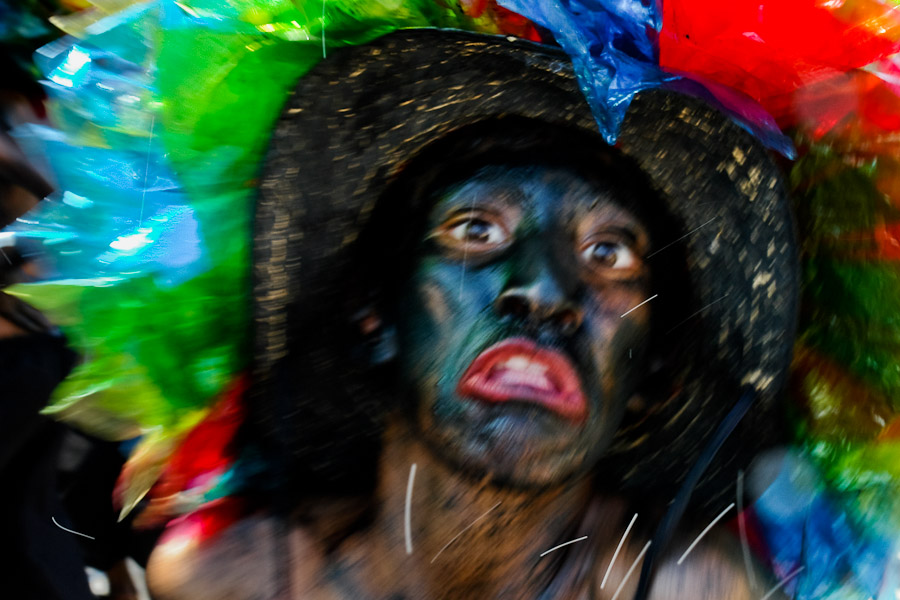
(615, 52)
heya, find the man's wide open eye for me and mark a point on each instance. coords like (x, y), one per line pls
(472, 232)
(610, 255)
(477, 231)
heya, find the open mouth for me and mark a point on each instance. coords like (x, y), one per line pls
(518, 370)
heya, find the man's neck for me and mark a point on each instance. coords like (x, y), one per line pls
(469, 538)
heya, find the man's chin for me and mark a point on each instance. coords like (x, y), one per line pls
(516, 450)
(505, 470)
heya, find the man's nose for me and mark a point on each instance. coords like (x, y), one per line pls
(540, 301)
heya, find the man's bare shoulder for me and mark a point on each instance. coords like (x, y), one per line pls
(256, 558)
(714, 569)
(233, 563)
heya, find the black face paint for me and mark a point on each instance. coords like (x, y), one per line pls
(519, 334)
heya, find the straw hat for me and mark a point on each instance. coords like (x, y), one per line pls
(357, 119)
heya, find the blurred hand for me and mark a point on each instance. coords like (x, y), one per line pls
(21, 184)
(21, 187)
(18, 318)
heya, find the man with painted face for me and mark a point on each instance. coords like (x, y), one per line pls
(511, 351)
(525, 323)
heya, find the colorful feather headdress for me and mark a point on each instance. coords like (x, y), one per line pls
(163, 110)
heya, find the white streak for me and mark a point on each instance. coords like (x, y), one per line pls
(682, 237)
(781, 584)
(639, 305)
(694, 314)
(630, 571)
(704, 532)
(323, 37)
(616, 553)
(407, 513)
(462, 275)
(456, 537)
(742, 530)
(70, 530)
(546, 552)
(146, 169)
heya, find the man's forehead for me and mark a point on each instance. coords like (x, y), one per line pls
(544, 190)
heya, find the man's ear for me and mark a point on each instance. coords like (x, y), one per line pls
(636, 404)
(378, 339)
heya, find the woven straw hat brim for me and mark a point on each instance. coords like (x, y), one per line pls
(357, 118)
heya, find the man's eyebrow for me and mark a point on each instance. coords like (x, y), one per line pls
(606, 204)
(617, 227)
(619, 223)
(627, 232)
(456, 203)
(602, 195)
(480, 195)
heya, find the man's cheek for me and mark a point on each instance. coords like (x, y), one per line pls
(621, 357)
(434, 301)
(428, 320)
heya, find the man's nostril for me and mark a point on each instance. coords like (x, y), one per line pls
(520, 306)
(568, 321)
(514, 305)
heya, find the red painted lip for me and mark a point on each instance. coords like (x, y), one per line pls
(517, 369)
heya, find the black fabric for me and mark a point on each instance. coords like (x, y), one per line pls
(87, 484)
(38, 560)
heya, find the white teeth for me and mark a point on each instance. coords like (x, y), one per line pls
(524, 364)
(519, 378)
